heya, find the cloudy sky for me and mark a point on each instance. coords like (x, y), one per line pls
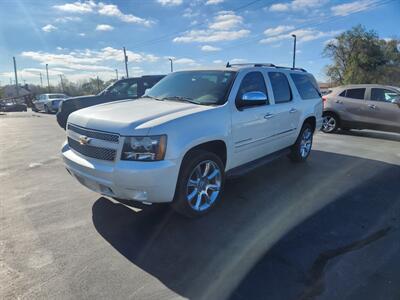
(82, 39)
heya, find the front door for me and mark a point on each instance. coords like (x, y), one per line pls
(251, 125)
(383, 114)
(351, 105)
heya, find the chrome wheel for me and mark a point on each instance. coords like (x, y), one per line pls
(204, 185)
(306, 142)
(328, 123)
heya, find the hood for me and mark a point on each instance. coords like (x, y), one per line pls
(127, 116)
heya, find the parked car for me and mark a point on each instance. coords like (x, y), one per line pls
(131, 88)
(9, 106)
(48, 103)
(191, 131)
(362, 106)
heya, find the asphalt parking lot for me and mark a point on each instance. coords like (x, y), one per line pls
(325, 229)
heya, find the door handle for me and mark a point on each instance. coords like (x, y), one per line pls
(339, 101)
(373, 106)
(269, 116)
(293, 110)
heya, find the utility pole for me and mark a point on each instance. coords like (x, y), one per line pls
(126, 63)
(294, 51)
(98, 85)
(47, 74)
(16, 77)
(41, 80)
(62, 83)
(171, 61)
(116, 73)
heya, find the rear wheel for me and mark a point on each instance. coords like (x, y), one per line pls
(330, 123)
(200, 183)
(302, 148)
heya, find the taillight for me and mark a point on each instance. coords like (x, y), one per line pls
(323, 100)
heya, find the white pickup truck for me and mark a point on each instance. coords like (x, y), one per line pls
(190, 131)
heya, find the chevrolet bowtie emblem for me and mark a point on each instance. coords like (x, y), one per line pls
(84, 140)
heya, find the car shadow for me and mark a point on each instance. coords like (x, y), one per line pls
(217, 256)
(382, 135)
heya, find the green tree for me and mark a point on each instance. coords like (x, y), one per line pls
(359, 56)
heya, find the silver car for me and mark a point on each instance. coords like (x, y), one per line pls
(362, 106)
(48, 102)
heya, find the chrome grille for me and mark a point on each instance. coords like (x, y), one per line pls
(105, 136)
(92, 151)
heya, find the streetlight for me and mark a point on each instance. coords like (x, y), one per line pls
(172, 67)
(294, 51)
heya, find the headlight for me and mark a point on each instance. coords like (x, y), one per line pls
(144, 148)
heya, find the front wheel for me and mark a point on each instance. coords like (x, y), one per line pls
(302, 148)
(200, 183)
(330, 123)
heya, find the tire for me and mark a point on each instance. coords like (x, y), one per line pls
(330, 123)
(300, 151)
(199, 171)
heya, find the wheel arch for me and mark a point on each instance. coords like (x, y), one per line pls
(217, 147)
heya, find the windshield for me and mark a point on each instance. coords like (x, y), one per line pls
(201, 87)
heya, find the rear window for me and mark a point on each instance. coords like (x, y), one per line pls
(280, 87)
(306, 85)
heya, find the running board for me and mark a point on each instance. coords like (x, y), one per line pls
(250, 166)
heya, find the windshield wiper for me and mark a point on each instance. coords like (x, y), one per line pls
(181, 98)
(152, 97)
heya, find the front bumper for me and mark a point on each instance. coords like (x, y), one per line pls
(152, 182)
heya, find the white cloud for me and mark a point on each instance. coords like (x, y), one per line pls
(226, 20)
(67, 19)
(279, 7)
(82, 34)
(184, 61)
(351, 7)
(214, 2)
(208, 48)
(169, 2)
(297, 5)
(113, 11)
(218, 61)
(208, 36)
(104, 27)
(77, 7)
(110, 10)
(303, 35)
(277, 30)
(87, 59)
(49, 28)
(224, 27)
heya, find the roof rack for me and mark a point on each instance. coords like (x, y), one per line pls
(228, 65)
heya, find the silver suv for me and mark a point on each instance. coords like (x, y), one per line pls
(362, 106)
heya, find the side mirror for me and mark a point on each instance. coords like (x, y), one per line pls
(253, 99)
(396, 101)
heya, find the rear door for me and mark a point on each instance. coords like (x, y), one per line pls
(286, 112)
(383, 114)
(351, 105)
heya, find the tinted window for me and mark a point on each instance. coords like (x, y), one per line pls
(343, 94)
(280, 87)
(383, 95)
(252, 82)
(355, 93)
(306, 85)
(124, 88)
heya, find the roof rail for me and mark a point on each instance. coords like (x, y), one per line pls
(228, 65)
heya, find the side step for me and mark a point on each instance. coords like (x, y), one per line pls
(250, 166)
